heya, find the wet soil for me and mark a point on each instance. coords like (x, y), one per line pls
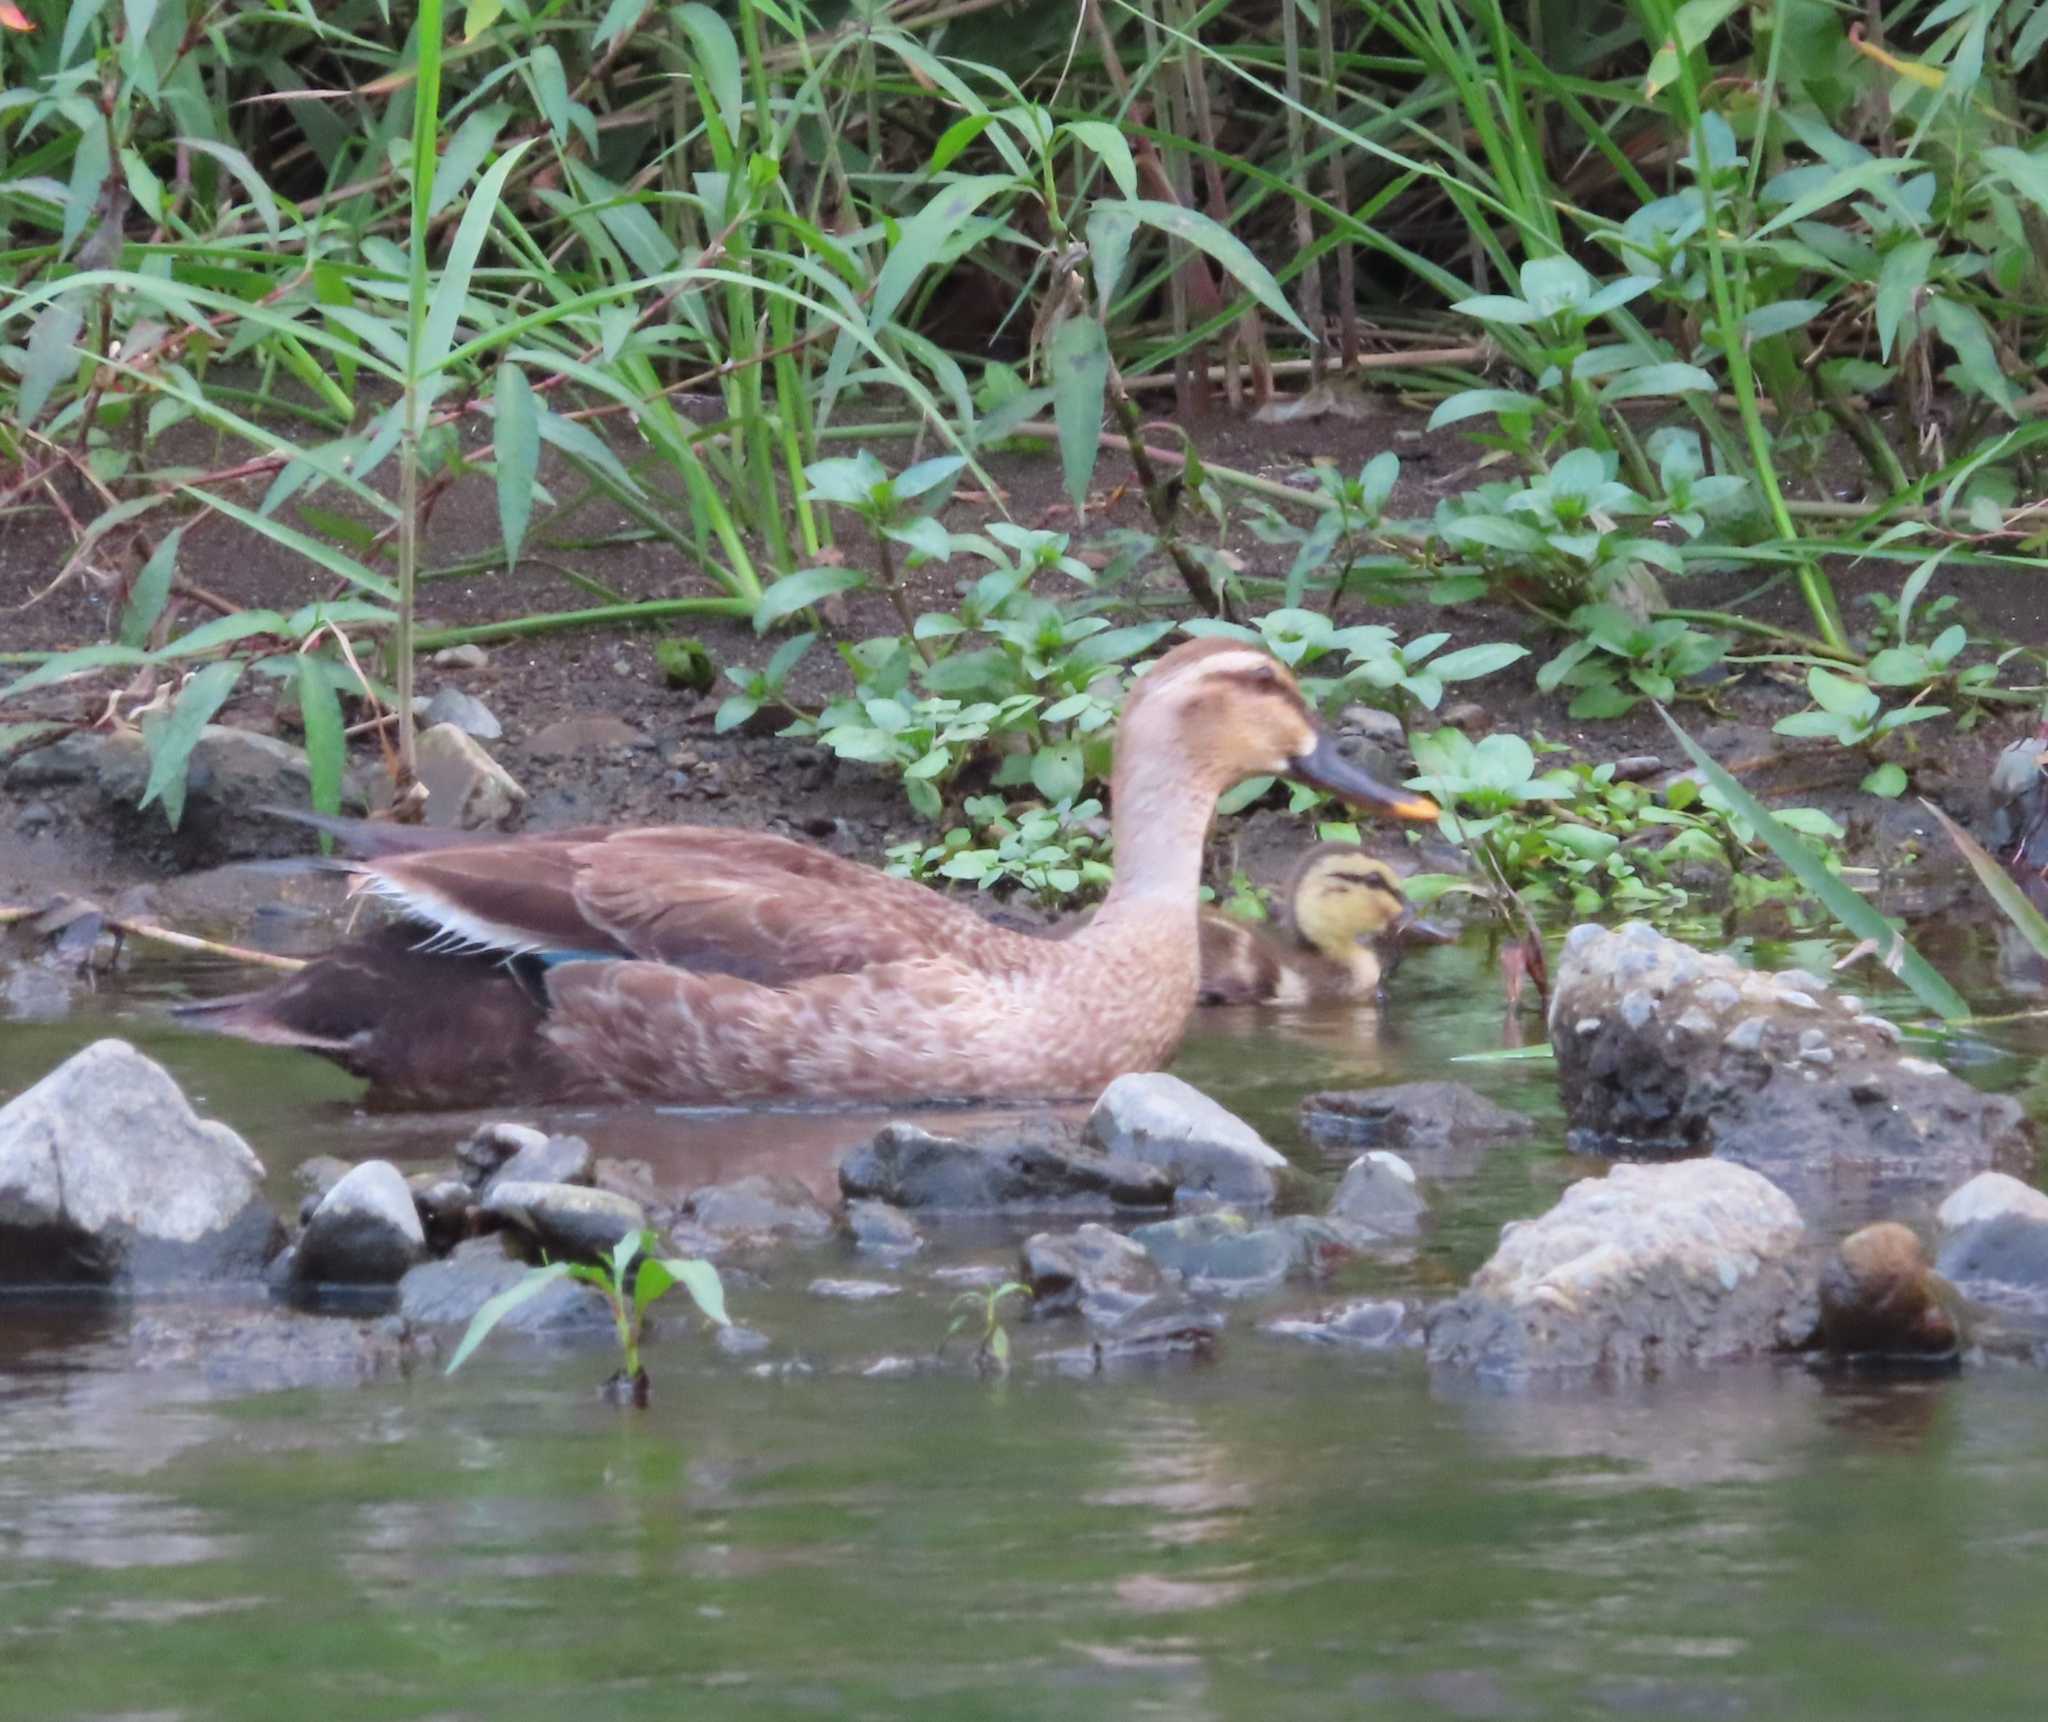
(648, 751)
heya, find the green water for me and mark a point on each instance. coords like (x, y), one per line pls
(1287, 1532)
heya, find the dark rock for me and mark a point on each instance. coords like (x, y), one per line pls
(1662, 1049)
(1166, 1330)
(880, 1229)
(552, 1160)
(108, 1177)
(446, 1206)
(1878, 1299)
(365, 1232)
(450, 1292)
(1366, 1324)
(1410, 1117)
(566, 1219)
(761, 1204)
(1224, 1252)
(1161, 1121)
(2002, 1261)
(1648, 1268)
(489, 1146)
(1379, 1194)
(1027, 1168)
(1100, 1273)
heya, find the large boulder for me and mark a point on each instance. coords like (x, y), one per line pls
(1649, 1267)
(108, 1177)
(1031, 1168)
(366, 1231)
(1161, 1121)
(1662, 1049)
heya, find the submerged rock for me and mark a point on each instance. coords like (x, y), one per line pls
(1031, 1169)
(1366, 1324)
(1099, 1273)
(108, 1177)
(1221, 1251)
(1414, 1117)
(1879, 1300)
(272, 1348)
(2001, 1261)
(1161, 1121)
(1165, 1330)
(879, 1229)
(762, 1204)
(365, 1232)
(566, 1219)
(1379, 1194)
(1649, 1267)
(854, 1291)
(451, 1291)
(1663, 1049)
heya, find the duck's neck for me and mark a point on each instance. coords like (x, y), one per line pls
(1160, 826)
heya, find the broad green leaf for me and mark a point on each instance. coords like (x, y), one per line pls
(1499, 308)
(324, 555)
(1859, 917)
(1111, 228)
(222, 631)
(173, 735)
(799, 591)
(1057, 772)
(1780, 317)
(516, 435)
(244, 171)
(52, 356)
(62, 664)
(1900, 282)
(1669, 379)
(718, 56)
(1077, 365)
(1108, 143)
(1470, 403)
(1839, 694)
(581, 443)
(464, 155)
(1495, 531)
(701, 1281)
(1874, 176)
(479, 15)
(451, 292)
(1470, 661)
(152, 588)
(956, 137)
(82, 194)
(1230, 252)
(1888, 781)
(2026, 173)
(326, 746)
(496, 1309)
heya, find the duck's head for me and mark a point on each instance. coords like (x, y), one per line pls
(1223, 710)
(1341, 898)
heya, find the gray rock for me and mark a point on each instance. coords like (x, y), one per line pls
(319, 1174)
(762, 1204)
(1986, 1197)
(489, 1146)
(1878, 1299)
(1031, 1168)
(880, 1229)
(467, 790)
(552, 1160)
(1412, 1117)
(1648, 1268)
(270, 1348)
(2001, 1261)
(1794, 1082)
(1224, 1252)
(466, 712)
(1366, 1324)
(1161, 1121)
(1100, 1273)
(467, 656)
(1379, 1194)
(450, 1292)
(108, 1177)
(566, 1219)
(1165, 1330)
(35, 993)
(365, 1232)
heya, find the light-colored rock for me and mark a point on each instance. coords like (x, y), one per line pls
(108, 1176)
(551, 1160)
(879, 1229)
(566, 1219)
(467, 656)
(451, 1291)
(1161, 1121)
(466, 712)
(1651, 1267)
(365, 1232)
(1100, 1273)
(467, 789)
(762, 1204)
(1986, 1197)
(1379, 1194)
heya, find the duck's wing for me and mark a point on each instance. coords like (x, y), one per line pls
(765, 909)
(1238, 966)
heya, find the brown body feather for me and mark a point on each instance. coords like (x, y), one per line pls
(697, 964)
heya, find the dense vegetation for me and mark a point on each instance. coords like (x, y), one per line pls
(774, 280)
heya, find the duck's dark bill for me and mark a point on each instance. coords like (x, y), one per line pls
(1323, 767)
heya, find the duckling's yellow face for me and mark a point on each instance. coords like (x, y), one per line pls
(1231, 711)
(1345, 897)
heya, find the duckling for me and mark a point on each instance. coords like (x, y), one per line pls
(1346, 912)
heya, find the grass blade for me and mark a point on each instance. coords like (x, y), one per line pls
(2004, 889)
(1854, 913)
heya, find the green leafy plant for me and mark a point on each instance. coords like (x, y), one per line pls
(1851, 714)
(981, 1312)
(1059, 854)
(631, 1280)
(1617, 661)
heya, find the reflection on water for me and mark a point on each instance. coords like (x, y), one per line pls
(1290, 1533)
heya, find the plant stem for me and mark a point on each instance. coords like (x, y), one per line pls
(651, 610)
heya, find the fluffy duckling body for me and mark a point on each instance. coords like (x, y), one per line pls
(1346, 913)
